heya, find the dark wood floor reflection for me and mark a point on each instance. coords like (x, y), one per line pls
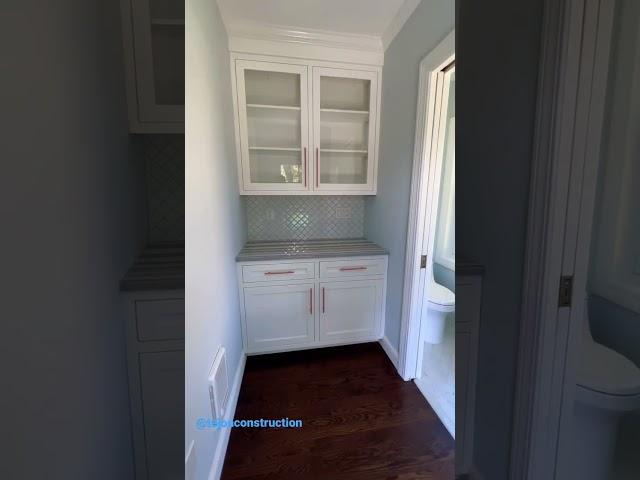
(361, 420)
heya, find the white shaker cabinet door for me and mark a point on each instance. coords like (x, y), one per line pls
(351, 310)
(279, 316)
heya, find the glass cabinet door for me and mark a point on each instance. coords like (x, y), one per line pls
(158, 30)
(344, 129)
(273, 123)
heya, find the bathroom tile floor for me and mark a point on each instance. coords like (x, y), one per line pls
(360, 420)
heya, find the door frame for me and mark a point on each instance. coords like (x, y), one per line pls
(423, 204)
(573, 72)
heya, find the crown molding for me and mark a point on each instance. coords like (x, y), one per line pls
(398, 21)
(267, 39)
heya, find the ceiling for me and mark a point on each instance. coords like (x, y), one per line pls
(378, 18)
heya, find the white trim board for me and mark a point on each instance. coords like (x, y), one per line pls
(221, 448)
(390, 350)
(421, 177)
(571, 92)
(310, 44)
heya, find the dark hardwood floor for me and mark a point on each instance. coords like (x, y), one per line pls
(360, 420)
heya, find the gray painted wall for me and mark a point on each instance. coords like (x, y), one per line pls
(215, 226)
(387, 213)
(498, 45)
(71, 203)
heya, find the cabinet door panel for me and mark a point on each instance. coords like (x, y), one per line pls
(350, 310)
(279, 316)
(272, 101)
(162, 380)
(158, 31)
(344, 126)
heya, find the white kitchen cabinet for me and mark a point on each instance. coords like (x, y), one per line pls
(155, 361)
(279, 316)
(153, 35)
(305, 127)
(344, 126)
(310, 303)
(272, 110)
(350, 309)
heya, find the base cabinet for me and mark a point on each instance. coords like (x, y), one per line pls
(155, 361)
(350, 310)
(337, 301)
(279, 316)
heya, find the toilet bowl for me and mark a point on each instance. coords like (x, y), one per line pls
(607, 386)
(440, 302)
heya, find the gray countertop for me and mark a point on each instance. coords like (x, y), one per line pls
(159, 267)
(295, 249)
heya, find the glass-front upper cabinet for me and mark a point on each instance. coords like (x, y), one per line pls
(273, 122)
(344, 130)
(154, 55)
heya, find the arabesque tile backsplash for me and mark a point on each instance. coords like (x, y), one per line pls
(304, 217)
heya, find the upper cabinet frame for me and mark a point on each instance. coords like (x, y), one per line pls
(303, 171)
(153, 37)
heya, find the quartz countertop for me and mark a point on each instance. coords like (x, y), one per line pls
(295, 249)
(159, 267)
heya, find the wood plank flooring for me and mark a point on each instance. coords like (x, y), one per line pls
(360, 420)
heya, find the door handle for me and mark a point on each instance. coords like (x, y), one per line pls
(311, 301)
(323, 300)
(317, 167)
(305, 166)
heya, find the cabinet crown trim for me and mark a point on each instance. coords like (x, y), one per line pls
(267, 39)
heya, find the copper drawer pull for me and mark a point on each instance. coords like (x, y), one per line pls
(322, 299)
(279, 273)
(311, 301)
(347, 269)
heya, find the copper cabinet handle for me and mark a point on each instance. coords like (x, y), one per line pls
(317, 167)
(347, 269)
(305, 166)
(311, 301)
(322, 299)
(279, 273)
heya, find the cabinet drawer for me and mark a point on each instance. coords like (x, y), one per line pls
(160, 319)
(352, 267)
(278, 271)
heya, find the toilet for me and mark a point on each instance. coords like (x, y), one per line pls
(607, 386)
(440, 302)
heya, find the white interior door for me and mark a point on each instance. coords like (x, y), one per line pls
(601, 223)
(443, 133)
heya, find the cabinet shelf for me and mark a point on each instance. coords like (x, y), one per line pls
(272, 107)
(277, 149)
(338, 110)
(341, 150)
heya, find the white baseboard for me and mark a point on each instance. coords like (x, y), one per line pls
(223, 441)
(391, 352)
